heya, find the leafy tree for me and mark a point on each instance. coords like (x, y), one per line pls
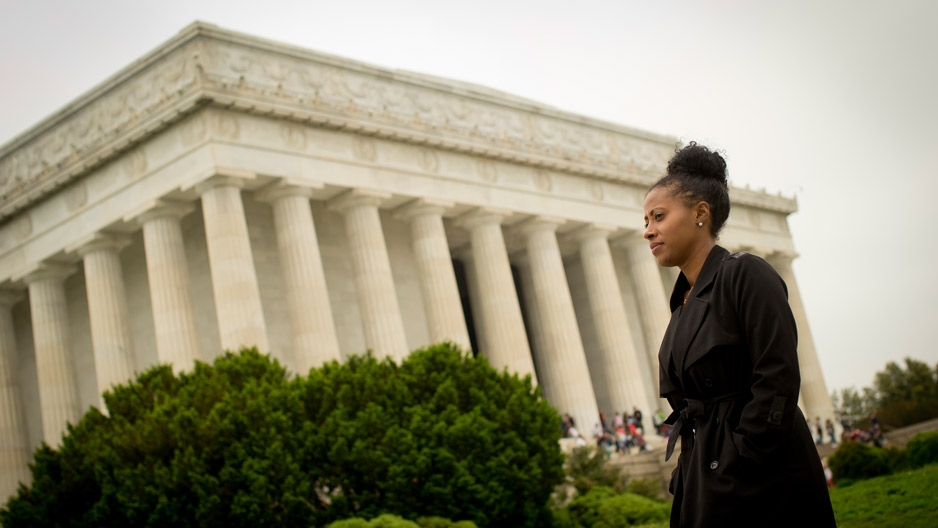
(916, 382)
(900, 396)
(856, 407)
(239, 443)
(908, 395)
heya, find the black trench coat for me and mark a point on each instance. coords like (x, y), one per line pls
(729, 368)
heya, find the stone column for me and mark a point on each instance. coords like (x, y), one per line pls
(653, 305)
(234, 280)
(564, 358)
(314, 338)
(15, 454)
(111, 340)
(58, 390)
(536, 335)
(618, 364)
(815, 399)
(177, 338)
(505, 339)
(381, 314)
(445, 319)
(464, 253)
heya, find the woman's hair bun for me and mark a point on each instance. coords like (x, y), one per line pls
(698, 161)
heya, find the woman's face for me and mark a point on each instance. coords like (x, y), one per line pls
(671, 228)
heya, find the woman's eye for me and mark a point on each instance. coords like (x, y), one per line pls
(659, 216)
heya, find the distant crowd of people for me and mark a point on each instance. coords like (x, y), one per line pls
(873, 435)
(620, 435)
(851, 433)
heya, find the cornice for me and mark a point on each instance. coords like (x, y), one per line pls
(763, 200)
(206, 65)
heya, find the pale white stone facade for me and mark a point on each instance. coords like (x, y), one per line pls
(225, 190)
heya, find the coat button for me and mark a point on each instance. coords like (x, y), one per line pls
(708, 382)
(714, 464)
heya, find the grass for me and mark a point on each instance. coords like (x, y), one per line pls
(908, 499)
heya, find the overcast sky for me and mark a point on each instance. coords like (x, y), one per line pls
(835, 102)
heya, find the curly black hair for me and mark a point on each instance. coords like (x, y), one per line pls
(698, 174)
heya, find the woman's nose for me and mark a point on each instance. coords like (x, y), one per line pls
(648, 233)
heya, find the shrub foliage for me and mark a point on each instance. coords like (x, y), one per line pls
(602, 507)
(856, 461)
(240, 443)
(922, 449)
(394, 521)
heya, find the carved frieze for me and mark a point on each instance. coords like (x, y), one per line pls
(204, 64)
(91, 124)
(404, 101)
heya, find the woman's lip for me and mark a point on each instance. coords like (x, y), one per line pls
(654, 247)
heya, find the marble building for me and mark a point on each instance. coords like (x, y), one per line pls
(225, 190)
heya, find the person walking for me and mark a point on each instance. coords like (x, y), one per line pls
(728, 366)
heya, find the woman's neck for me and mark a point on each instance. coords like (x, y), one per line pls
(694, 264)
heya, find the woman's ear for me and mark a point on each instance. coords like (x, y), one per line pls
(702, 212)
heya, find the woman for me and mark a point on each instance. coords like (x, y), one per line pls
(729, 366)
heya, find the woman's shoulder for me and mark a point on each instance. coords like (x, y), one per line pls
(744, 267)
(744, 261)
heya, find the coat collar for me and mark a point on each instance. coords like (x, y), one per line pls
(696, 308)
(707, 273)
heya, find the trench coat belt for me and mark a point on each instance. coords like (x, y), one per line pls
(682, 420)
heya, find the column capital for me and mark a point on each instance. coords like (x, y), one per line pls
(234, 179)
(421, 207)
(482, 216)
(159, 208)
(356, 198)
(98, 242)
(286, 187)
(47, 270)
(538, 224)
(592, 231)
(10, 297)
(629, 240)
(780, 256)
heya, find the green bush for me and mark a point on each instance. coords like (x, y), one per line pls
(441, 435)
(646, 487)
(439, 522)
(355, 522)
(382, 521)
(602, 507)
(898, 459)
(563, 519)
(586, 467)
(394, 521)
(241, 443)
(922, 449)
(857, 461)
